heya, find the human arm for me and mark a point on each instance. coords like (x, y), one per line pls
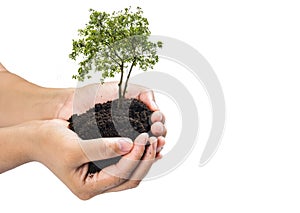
(22, 101)
(15, 148)
(51, 143)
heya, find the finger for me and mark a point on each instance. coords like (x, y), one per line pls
(147, 161)
(117, 174)
(2, 68)
(134, 90)
(158, 129)
(142, 169)
(157, 116)
(143, 94)
(129, 162)
(104, 148)
(61, 122)
(147, 97)
(160, 144)
(158, 157)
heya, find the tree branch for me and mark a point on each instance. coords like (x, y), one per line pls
(128, 76)
(116, 54)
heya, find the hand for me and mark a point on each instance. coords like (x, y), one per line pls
(84, 98)
(67, 156)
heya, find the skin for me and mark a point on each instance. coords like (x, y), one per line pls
(39, 132)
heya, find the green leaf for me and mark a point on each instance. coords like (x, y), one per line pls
(113, 42)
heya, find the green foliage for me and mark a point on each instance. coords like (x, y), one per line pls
(115, 43)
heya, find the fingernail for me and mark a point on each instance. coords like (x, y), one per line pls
(159, 149)
(154, 105)
(125, 144)
(157, 116)
(142, 139)
(152, 140)
(157, 128)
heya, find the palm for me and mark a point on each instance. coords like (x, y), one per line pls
(86, 97)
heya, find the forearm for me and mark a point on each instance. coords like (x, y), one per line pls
(15, 147)
(22, 101)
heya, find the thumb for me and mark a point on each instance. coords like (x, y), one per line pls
(104, 148)
(148, 98)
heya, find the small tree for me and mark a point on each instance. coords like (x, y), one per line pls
(115, 43)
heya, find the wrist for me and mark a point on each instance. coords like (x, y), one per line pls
(55, 104)
(22, 101)
(17, 146)
(64, 106)
(35, 136)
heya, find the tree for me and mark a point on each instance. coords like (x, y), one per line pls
(115, 43)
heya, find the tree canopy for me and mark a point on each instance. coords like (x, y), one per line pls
(115, 43)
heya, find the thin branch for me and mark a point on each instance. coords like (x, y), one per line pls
(116, 54)
(115, 60)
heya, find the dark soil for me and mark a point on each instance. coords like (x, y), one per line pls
(111, 119)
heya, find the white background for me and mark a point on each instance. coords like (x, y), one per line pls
(254, 48)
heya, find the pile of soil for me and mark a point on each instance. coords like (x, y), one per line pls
(112, 119)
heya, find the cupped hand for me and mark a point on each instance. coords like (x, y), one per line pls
(67, 156)
(85, 98)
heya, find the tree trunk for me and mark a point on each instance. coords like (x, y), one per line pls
(128, 76)
(120, 85)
